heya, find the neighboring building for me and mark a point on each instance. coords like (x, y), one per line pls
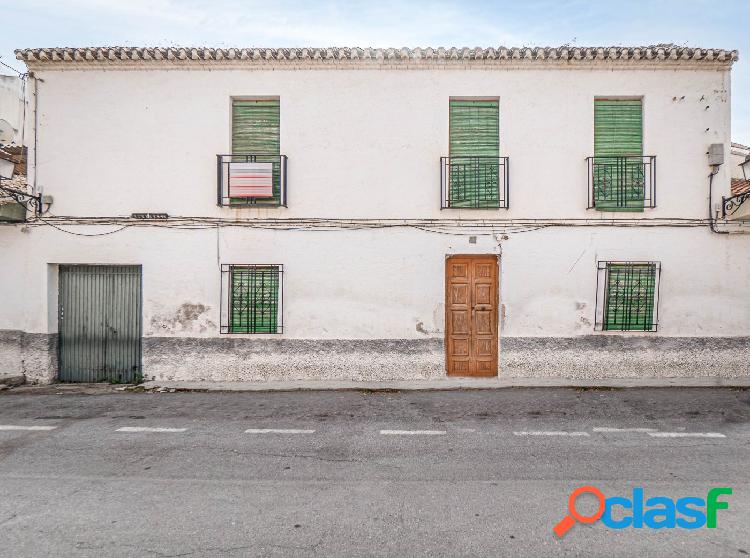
(12, 151)
(740, 163)
(253, 214)
(12, 104)
(739, 155)
(737, 205)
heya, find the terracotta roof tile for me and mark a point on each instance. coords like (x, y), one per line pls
(664, 53)
(739, 186)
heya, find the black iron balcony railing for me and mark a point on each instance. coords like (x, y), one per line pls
(473, 182)
(251, 180)
(729, 206)
(618, 183)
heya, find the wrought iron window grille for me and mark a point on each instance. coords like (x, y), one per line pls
(730, 205)
(252, 299)
(278, 165)
(627, 296)
(468, 182)
(32, 202)
(621, 183)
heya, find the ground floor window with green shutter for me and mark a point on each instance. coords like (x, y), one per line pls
(252, 299)
(620, 177)
(474, 175)
(627, 296)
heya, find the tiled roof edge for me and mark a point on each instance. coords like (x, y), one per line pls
(655, 53)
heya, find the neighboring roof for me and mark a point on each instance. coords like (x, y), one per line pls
(739, 186)
(740, 146)
(568, 55)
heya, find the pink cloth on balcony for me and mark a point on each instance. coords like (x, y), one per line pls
(250, 180)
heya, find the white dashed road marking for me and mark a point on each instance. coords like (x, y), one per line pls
(608, 429)
(15, 427)
(148, 429)
(686, 435)
(412, 432)
(550, 433)
(277, 431)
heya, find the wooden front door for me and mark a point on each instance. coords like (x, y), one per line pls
(471, 301)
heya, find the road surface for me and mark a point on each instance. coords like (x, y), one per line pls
(458, 473)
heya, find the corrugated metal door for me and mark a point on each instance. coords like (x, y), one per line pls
(100, 323)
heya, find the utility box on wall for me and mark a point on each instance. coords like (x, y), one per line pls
(716, 154)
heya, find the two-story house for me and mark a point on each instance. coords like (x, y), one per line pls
(252, 214)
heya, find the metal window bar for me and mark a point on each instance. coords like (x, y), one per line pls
(252, 299)
(468, 182)
(627, 296)
(621, 183)
(279, 180)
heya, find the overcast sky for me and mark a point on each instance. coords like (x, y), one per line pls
(386, 23)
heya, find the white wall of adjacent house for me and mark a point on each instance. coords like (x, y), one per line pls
(366, 144)
(739, 155)
(12, 105)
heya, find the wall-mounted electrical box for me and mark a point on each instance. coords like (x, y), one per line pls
(716, 154)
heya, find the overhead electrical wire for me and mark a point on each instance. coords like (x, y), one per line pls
(84, 234)
(437, 226)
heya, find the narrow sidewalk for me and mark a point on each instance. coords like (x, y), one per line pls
(447, 384)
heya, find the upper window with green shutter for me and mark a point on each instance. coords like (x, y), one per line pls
(621, 177)
(474, 175)
(254, 174)
(255, 126)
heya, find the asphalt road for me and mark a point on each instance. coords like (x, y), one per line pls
(465, 473)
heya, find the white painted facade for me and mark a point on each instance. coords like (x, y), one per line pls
(363, 240)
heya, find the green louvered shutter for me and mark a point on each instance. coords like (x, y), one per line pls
(474, 132)
(255, 299)
(618, 133)
(255, 127)
(255, 131)
(630, 297)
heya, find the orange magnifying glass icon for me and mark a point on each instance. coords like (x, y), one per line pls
(569, 520)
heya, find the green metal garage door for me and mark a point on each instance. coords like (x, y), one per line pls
(100, 323)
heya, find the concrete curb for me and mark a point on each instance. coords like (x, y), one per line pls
(449, 384)
(12, 381)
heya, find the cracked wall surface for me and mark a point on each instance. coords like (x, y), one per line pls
(32, 355)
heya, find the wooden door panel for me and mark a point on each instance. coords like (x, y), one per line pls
(459, 368)
(483, 348)
(482, 323)
(471, 315)
(486, 368)
(483, 270)
(460, 322)
(460, 269)
(460, 294)
(459, 347)
(483, 294)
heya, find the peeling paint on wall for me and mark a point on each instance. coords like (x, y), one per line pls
(189, 317)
